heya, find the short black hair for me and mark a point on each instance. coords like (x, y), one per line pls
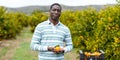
(56, 4)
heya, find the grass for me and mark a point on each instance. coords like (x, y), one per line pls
(24, 53)
(3, 51)
(73, 55)
(25, 33)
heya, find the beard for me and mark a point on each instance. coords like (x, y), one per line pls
(55, 17)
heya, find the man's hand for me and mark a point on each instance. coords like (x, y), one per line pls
(50, 48)
(56, 50)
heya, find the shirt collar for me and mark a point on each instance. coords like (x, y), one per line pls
(51, 22)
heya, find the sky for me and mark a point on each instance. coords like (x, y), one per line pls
(21, 3)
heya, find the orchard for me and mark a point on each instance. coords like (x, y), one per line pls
(91, 29)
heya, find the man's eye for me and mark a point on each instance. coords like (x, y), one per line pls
(56, 10)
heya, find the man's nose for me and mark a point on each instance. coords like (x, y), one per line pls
(56, 11)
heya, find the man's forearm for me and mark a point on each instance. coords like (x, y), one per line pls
(38, 47)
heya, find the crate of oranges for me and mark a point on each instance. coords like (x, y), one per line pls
(97, 55)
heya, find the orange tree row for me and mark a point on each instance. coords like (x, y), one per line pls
(94, 30)
(11, 23)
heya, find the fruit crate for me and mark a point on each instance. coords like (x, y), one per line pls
(99, 55)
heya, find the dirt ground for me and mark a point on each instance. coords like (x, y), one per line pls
(12, 46)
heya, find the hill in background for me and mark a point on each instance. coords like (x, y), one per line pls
(30, 9)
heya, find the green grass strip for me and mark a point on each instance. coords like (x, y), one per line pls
(3, 52)
(25, 53)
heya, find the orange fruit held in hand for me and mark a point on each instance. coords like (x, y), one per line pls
(57, 48)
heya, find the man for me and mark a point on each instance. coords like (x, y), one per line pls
(51, 33)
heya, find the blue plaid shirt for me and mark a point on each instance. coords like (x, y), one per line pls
(46, 34)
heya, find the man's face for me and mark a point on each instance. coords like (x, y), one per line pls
(55, 12)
